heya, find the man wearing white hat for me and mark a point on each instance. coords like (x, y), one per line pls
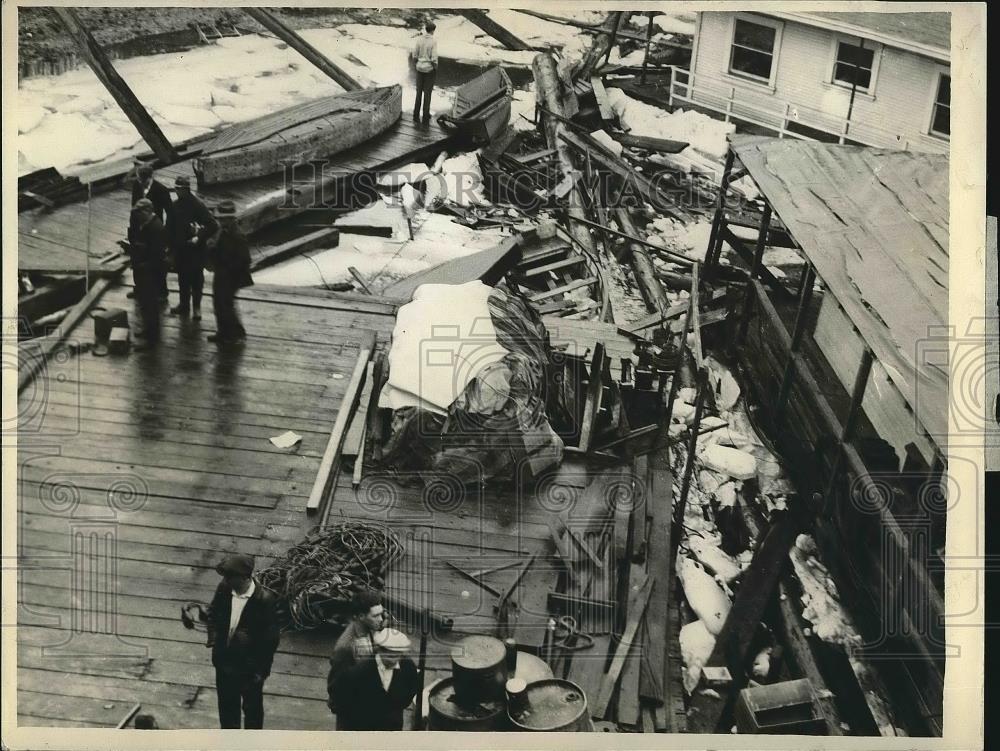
(373, 693)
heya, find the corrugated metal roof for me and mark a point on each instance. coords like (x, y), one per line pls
(931, 29)
(874, 224)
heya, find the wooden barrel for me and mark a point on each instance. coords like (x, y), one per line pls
(552, 705)
(446, 712)
(479, 668)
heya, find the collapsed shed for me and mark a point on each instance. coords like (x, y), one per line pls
(853, 376)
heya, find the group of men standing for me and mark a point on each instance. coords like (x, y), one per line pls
(195, 238)
(371, 680)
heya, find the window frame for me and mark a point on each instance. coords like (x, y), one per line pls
(876, 49)
(774, 23)
(940, 73)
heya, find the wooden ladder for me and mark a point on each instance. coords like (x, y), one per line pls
(210, 32)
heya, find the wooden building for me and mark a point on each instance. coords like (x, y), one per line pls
(879, 79)
(852, 377)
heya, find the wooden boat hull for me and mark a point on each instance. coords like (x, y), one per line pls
(482, 107)
(297, 135)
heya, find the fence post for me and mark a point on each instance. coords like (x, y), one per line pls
(729, 104)
(784, 120)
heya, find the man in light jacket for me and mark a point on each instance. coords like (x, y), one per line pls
(425, 61)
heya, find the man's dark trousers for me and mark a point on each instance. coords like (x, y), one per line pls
(190, 276)
(227, 320)
(240, 698)
(425, 86)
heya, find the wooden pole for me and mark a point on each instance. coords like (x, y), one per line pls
(645, 57)
(495, 30)
(114, 83)
(601, 45)
(765, 225)
(805, 294)
(857, 398)
(642, 265)
(273, 24)
(418, 715)
(720, 207)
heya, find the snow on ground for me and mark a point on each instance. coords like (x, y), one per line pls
(382, 261)
(676, 23)
(708, 138)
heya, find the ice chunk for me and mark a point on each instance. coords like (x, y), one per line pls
(696, 644)
(730, 461)
(704, 595)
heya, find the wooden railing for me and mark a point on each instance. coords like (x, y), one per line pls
(783, 116)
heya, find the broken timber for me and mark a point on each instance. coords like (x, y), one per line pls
(642, 265)
(732, 645)
(114, 83)
(495, 30)
(333, 447)
(273, 24)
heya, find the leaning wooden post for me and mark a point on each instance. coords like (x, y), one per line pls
(642, 264)
(495, 30)
(719, 210)
(273, 24)
(114, 83)
(600, 46)
(847, 433)
(805, 294)
(547, 86)
(765, 225)
(645, 57)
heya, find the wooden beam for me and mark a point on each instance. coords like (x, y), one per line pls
(495, 30)
(273, 24)
(647, 143)
(47, 345)
(645, 273)
(637, 601)
(732, 645)
(116, 85)
(328, 237)
(592, 405)
(601, 97)
(347, 406)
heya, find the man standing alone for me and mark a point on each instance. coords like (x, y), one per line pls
(425, 61)
(230, 263)
(243, 633)
(189, 225)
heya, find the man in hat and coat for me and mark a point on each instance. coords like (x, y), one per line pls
(357, 640)
(229, 258)
(147, 250)
(244, 633)
(146, 186)
(189, 226)
(372, 694)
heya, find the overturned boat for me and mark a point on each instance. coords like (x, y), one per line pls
(482, 107)
(298, 134)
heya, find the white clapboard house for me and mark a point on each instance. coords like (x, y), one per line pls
(879, 79)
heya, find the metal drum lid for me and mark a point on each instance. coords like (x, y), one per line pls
(553, 704)
(530, 668)
(442, 700)
(478, 652)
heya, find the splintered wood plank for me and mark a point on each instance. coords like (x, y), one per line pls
(638, 598)
(654, 686)
(628, 708)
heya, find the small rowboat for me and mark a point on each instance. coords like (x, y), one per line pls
(482, 108)
(298, 134)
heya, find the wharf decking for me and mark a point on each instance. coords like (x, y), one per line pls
(137, 473)
(58, 240)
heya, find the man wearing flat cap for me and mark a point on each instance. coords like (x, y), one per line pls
(147, 250)
(189, 226)
(243, 633)
(229, 259)
(372, 694)
(146, 186)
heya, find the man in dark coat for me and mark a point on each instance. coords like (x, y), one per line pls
(372, 694)
(230, 262)
(243, 633)
(145, 186)
(147, 249)
(357, 640)
(189, 226)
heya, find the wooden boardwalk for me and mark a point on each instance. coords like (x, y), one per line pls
(56, 241)
(138, 473)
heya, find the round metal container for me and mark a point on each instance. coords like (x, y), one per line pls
(446, 713)
(479, 667)
(531, 668)
(553, 705)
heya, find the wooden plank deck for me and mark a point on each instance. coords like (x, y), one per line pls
(140, 472)
(56, 241)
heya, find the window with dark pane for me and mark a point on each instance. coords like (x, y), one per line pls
(853, 62)
(753, 49)
(941, 116)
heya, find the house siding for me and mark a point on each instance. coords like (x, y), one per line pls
(898, 111)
